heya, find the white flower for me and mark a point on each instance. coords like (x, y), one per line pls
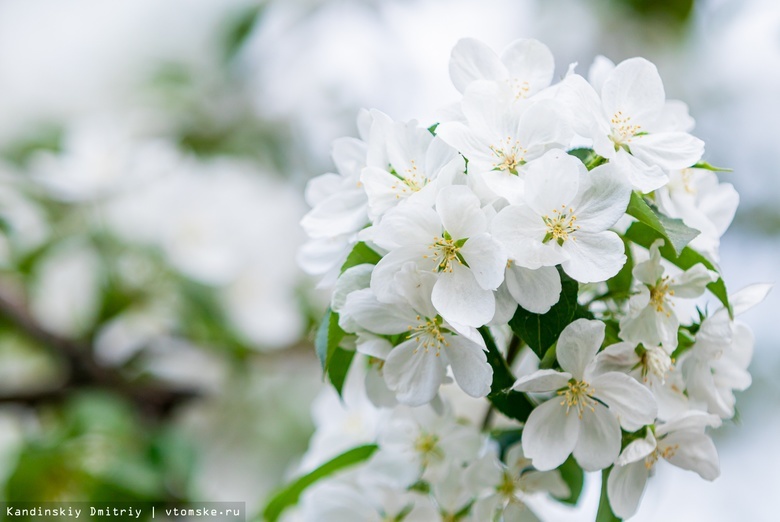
(535, 290)
(630, 123)
(500, 138)
(717, 363)
(696, 197)
(681, 442)
(416, 368)
(585, 415)
(651, 320)
(564, 219)
(429, 441)
(419, 165)
(509, 486)
(525, 67)
(451, 242)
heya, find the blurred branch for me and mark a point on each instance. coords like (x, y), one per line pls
(153, 399)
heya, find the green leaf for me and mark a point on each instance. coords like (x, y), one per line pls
(329, 335)
(289, 495)
(707, 166)
(574, 477)
(509, 402)
(643, 235)
(239, 30)
(335, 360)
(605, 513)
(674, 231)
(432, 128)
(620, 285)
(339, 367)
(540, 331)
(584, 154)
(361, 254)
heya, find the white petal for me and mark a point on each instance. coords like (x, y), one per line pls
(635, 89)
(578, 344)
(341, 213)
(604, 201)
(469, 366)
(354, 278)
(599, 71)
(515, 226)
(643, 177)
(692, 420)
(625, 487)
(383, 277)
(693, 281)
(668, 150)
(749, 297)
(472, 144)
(535, 290)
(619, 357)
(594, 257)
(487, 260)
(529, 61)
(542, 127)
(542, 381)
(460, 299)
(637, 450)
(598, 444)
(632, 403)
(407, 225)
(473, 60)
(552, 182)
(460, 212)
(550, 435)
(384, 319)
(694, 452)
(413, 373)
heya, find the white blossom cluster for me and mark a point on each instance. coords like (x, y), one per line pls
(523, 190)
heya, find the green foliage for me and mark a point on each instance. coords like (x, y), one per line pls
(361, 254)
(509, 402)
(588, 157)
(335, 360)
(707, 166)
(289, 495)
(674, 231)
(572, 474)
(540, 331)
(643, 235)
(238, 30)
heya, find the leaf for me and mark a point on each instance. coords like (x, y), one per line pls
(540, 331)
(505, 439)
(335, 360)
(674, 231)
(620, 285)
(339, 367)
(509, 402)
(643, 235)
(588, 157)
(361, 254)
(432, 128)
(239, 30)
(605, 513)
(289, 495)
(707, 166)
(574, 477)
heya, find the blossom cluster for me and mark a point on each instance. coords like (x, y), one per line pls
(580, 218)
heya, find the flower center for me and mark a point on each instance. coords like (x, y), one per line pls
(667, 453)
(509, 155)
(410, 182)
(520, 88)
(658, 295)
(560, 225)
(429, 334)
(427, 446)
(446, 253)
(656, 361)
(578, 396)
(623, 130)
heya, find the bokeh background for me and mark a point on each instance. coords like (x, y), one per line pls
(155, 331)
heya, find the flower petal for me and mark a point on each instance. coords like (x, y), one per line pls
(632, 403)
(459, 298)
(460, 212)
(598, 444)
(535, 290)
(625, 487)
(542, 381)
(550, 435)
(469, 366)
(487, 260)
(578, 344)
(413, 373)
(473, 60)
(594, 257)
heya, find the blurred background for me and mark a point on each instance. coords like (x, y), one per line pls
(155, 331)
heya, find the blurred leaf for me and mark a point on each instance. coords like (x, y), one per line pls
(47, 138)
(513, 404)
(239, 28)
(329, 335)
(361, 254)
(540, 331)
(605, 513)
(677, 11)
(674, 231)
(339, 368)
(506, 439)
(643, 235)
(574, 477)
(290, 494)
